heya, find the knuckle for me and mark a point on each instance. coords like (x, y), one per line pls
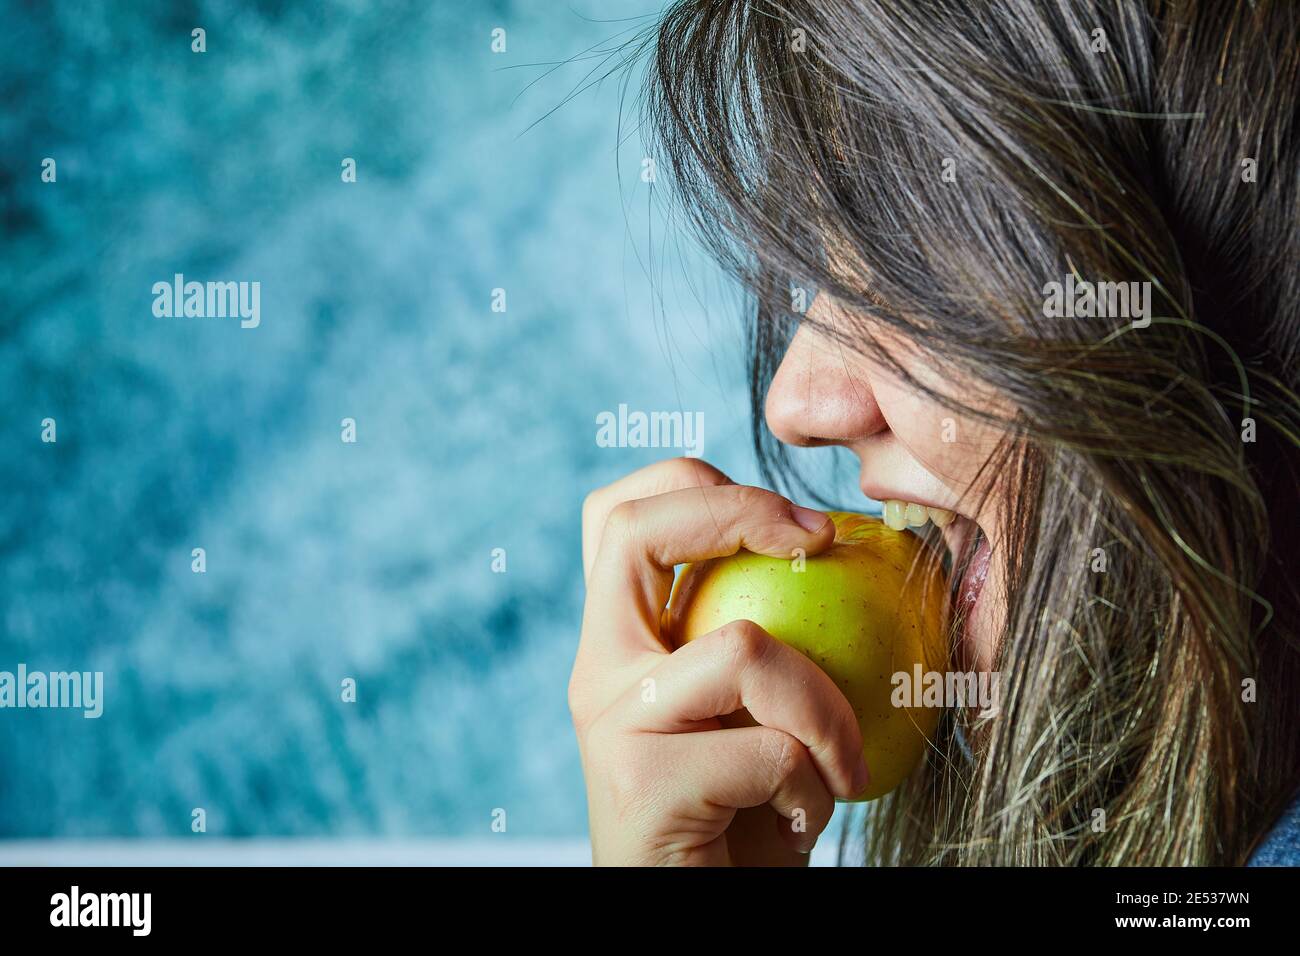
(783, 754)
(622, 762)
(577, 700)
(679, 472)
(593, 505)
(759, 500)
(588, 712)
(629, 777)
(623, 517)
(744, 642)
(683, 472)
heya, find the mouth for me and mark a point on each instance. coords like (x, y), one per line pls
(899, 514)
(969, 571)
(967, 547)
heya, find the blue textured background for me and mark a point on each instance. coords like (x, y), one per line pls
(326, 560)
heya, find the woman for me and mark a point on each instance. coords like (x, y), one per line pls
(958, 180)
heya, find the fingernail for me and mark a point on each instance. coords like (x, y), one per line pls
(808, 519)
(861, 777)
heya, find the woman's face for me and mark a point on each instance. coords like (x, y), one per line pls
(912, 449)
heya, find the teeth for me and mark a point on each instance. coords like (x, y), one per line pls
(942, 517)
(902, 514)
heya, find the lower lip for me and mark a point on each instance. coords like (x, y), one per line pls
(973, 578)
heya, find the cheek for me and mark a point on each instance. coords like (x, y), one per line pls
(951, 445)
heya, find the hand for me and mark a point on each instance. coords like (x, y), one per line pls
(670, 779)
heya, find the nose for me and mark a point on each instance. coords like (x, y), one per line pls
(821, 393)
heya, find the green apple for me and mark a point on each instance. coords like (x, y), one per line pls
(870, 606)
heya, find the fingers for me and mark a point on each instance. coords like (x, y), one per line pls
(645, 538)
(740, 666)
(701, 515)
(655, 753)
(663, 476)
(746, 767)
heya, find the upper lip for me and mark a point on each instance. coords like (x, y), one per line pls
(956, 537)
(881, 493)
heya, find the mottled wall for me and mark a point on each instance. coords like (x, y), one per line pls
(325, 560)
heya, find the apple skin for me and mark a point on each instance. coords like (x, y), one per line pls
(854, 611)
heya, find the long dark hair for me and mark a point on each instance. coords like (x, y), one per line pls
(932, 165)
